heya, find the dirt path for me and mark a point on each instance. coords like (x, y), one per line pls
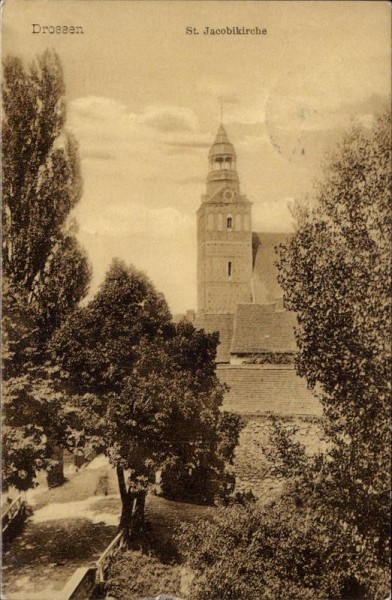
(70, 527)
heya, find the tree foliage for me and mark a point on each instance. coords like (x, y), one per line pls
(281, 551)
(336, 276)
(45, 271)
(145, 390)
(328, 535)
(41, 185)
(31, 405)
(99, 345)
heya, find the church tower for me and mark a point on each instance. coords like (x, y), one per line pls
(224, 235)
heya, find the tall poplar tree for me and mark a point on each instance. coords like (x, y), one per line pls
(41, 185)
(46, 273)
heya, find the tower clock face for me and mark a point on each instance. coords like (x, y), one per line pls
(228, 194)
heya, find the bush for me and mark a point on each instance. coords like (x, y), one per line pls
(285, 552)
(134, 575)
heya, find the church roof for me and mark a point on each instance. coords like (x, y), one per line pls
(265, 273)
(222, 323)
(221, 136)
(262, 328)
(221, 145)
(259, 389)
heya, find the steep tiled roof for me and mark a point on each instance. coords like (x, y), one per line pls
(265, 274)
(262, 328)
(223, 324)
(257, 389)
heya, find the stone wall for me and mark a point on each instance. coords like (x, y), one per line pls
(253, 470)
(257, 392)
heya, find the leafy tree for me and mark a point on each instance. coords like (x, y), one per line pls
(31, 405)
(98, 346)
(46, 272)
(63, 283)
(197, 473)
(41, 185)
(283, 551)
(151, 397)
(328, 535)
(336, 276)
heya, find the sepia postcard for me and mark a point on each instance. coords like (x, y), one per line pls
(196, 300)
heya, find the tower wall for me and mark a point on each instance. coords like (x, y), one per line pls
(224, 256)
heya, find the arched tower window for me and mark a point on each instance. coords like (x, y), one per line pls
(229, 222)
(229, 268)
(210, 221)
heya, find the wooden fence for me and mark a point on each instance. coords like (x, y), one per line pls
(12, 518)
(107, 556)
(81, 585)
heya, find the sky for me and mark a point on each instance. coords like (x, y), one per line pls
(144, 99)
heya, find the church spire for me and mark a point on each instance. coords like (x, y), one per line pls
(221, 137)
(222, 163)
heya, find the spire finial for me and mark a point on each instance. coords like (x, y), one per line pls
(221, 111)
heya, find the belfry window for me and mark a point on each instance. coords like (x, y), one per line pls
(229, 268)
(218, 163)
(229, 223)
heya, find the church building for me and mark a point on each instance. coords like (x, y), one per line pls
(239, 296)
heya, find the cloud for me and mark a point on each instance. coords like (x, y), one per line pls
(169, 118)
(194, 141)
(135, 219)
(97, 108)
(106, 127)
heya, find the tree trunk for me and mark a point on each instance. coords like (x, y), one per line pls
(132, 513)
(138, 514)
(55, 476)
(127, 508)
(126, 511)
(121, 483)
